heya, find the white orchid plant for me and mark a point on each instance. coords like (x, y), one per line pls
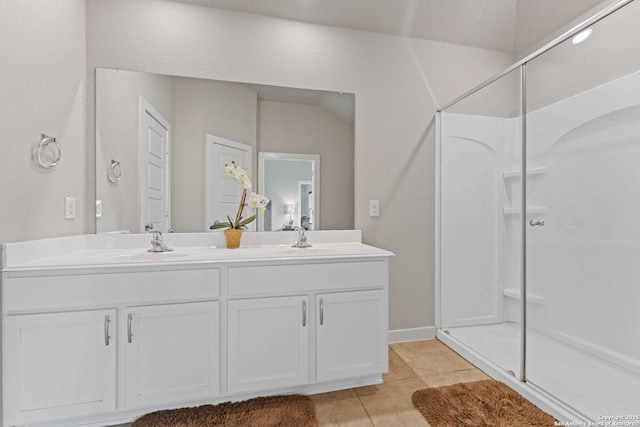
(249, 198)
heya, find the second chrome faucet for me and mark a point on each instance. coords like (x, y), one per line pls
(302, 239)
(157, 243)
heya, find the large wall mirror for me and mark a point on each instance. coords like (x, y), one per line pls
(159, 140)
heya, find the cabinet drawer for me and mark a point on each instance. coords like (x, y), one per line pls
(35, 293)
(268, 279)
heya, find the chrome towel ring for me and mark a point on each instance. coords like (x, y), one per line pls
(114, 171)
(44, 142)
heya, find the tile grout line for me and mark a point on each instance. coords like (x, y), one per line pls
(364, 407)
(406, 363)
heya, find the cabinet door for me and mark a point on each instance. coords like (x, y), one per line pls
(351, 334)
(268, 343)
(171, 352)
(59, 365)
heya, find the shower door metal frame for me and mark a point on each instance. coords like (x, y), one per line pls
(522, 64)
(523, 224)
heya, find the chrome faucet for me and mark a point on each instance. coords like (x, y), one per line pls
(302, 239)
(158, 244)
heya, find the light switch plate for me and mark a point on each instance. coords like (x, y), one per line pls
(98, 208)
(69, 207)
(374, 207)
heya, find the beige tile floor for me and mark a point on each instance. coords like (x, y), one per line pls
(412, 366)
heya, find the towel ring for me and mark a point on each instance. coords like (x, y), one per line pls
(114, 172)
(44, 142)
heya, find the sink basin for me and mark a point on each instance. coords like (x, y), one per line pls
(145, 256)
(304, 251)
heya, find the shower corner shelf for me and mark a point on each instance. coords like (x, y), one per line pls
(515, 294)
(530, 172)
(531, 210)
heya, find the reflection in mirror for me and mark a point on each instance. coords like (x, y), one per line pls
(161, 129)
(223, 191)
(291, 182)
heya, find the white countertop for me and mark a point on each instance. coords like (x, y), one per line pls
(132, 250)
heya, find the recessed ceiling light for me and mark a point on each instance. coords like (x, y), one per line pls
(582, 36)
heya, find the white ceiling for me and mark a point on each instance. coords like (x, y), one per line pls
(504, 25)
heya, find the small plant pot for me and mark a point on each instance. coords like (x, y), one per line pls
(233, 236)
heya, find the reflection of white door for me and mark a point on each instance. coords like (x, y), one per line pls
(154, 179)
(283, 192)
(305, 204)
(223, 191)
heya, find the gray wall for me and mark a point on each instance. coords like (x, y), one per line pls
(42, 89)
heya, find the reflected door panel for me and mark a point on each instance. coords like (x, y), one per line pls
(224, 192)
(154, 183)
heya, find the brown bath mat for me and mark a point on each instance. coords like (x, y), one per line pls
(272, 411)
(481, 403)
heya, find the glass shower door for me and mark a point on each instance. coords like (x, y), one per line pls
(481, 222)
(583, 220)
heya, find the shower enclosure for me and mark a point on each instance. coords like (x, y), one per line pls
(538, 222)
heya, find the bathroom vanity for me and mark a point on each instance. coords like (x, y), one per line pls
(98, 331)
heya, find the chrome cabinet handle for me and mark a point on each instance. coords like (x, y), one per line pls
(107, 337)
(129, 321)
(321, 311)
(538, 222)
(304, 314)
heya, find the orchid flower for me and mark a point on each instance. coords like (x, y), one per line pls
(249, 198)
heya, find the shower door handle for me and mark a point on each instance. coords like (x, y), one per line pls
(538, 222)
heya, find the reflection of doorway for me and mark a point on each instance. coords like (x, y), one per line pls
(281, 179)
(305, 205)
(154, 183)
(223, 191)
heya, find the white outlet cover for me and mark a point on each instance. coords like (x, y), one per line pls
(98, 208)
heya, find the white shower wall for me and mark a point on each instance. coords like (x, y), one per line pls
(582, 266)
(479, 217)
(584, 261)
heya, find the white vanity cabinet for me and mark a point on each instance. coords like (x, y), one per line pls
(101, 338)
(171, 352)
(67, 355)
(350, 342)
(59, 365)
(268, 343)
(336, 330)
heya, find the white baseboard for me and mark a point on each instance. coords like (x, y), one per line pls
(413, 334)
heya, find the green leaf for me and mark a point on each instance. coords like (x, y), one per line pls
(247, 221)
(220, 225)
